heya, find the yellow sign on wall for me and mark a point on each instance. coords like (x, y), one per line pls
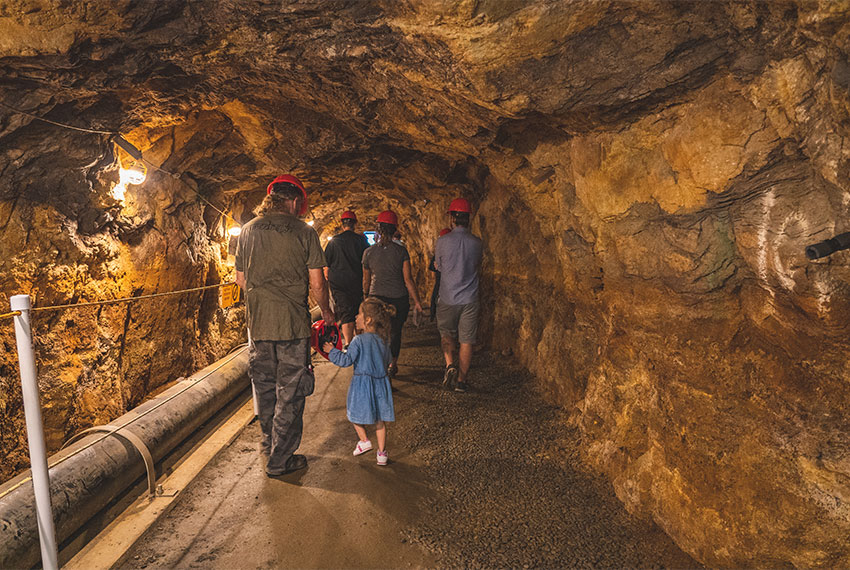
(230, 295)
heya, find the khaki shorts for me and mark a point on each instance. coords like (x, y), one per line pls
(459, 321)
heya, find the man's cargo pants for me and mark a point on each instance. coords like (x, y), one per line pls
(283, 377)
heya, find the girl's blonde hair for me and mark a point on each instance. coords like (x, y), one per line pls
(381, 314)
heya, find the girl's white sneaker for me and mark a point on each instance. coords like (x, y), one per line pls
(382, 458)
(362, 447)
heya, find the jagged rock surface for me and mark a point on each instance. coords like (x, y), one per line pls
(646, 177)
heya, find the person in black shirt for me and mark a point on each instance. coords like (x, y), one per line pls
(344, 272)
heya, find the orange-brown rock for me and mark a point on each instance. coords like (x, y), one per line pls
(646, 177)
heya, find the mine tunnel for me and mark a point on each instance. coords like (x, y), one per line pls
(660, 375)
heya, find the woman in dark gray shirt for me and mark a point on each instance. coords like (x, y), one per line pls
(387, 275)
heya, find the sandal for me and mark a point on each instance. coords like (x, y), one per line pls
(450, 376)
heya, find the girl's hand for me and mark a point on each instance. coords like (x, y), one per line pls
(327, 347)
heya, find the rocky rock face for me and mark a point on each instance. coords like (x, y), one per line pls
(646, 177)
(64, 240)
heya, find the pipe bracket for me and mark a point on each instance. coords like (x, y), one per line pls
(134, 440)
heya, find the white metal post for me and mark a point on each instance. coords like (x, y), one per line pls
(35, 432)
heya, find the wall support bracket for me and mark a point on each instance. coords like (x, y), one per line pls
(134, 440)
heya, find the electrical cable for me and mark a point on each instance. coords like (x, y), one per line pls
(186, 184)
(116, 133)
(12, 314)
(63, 125)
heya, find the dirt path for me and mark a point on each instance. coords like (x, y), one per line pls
(485, 479)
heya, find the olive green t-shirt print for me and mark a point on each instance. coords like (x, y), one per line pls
(275, 252)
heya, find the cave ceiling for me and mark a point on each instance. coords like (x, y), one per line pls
(401, 100)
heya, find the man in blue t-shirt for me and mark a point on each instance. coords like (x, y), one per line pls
(344, 273)
(458, 259)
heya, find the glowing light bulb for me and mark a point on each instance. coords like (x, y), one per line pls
(133, 174)
(311, 222)
(118, 191)
(234, 231)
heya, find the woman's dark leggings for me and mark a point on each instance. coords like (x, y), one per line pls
(402, 308)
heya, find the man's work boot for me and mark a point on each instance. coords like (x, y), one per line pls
(294, 463)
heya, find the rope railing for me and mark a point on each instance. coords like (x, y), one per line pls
(115, 301)
(112, 302)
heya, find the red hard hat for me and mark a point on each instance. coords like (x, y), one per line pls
(445, 231)
(388, 217)
(348, 215)
(291, 180)
(460, 205)
(322, 333)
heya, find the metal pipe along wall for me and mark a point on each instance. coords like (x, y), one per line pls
(89, 474)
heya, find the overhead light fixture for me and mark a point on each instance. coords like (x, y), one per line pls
(234, 231)
(128, 147)
(118, 192)
(135, 173)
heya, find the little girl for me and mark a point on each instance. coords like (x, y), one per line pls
(370, 398)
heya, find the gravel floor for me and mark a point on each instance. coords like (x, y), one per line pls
(508, 487)
(486, 479)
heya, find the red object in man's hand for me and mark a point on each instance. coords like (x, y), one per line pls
(323, 333)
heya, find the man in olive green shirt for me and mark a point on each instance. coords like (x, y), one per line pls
(277, 257)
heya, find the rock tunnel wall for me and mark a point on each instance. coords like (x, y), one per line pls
(646, 177)
(64, 246)
(665, 296)
(702, 354)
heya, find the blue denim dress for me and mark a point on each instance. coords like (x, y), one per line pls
(370, 397)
